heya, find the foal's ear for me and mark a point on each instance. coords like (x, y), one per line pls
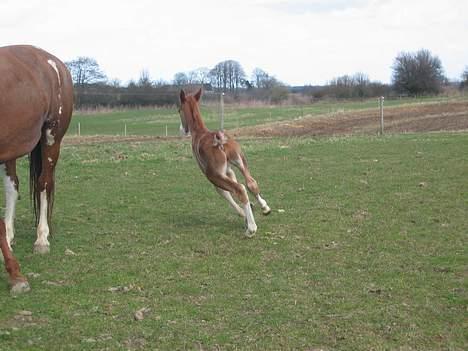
(182, 96)
(198, 94)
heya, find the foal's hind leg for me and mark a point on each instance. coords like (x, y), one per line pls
(227, 195)
(10, 182)
(252, 185)
(224, 182)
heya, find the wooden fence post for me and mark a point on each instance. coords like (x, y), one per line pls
(381, 102)
(221, 110)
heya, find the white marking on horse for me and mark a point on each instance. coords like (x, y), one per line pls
(11, 196)
(54, 66)
(60, 104)
(49, 137)
(251, 225)
(227, 195)
(263, 204)
(43, 227)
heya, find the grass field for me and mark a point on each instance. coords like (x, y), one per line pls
(366, 249)
(150, 121)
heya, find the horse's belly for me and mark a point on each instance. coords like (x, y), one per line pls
(16, 141)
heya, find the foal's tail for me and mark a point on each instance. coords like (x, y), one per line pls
(219, 139)
(35, 170)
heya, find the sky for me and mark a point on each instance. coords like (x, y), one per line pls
(300, 42)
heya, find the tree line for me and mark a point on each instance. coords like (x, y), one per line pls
(413, 74)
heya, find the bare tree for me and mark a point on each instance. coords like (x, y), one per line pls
(145, 80)
(342, 87)
(263, 80)
(202, 75)
(357, 85)
(418, 73)
(191, 77)
(85, 70)
(259, 77)
(361, 81)
(180, 79)
(114, 82)
(227, 76)
(464, 79)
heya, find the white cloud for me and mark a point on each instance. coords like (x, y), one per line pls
(299, 41)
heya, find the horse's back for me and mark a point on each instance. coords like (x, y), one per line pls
(35, 88)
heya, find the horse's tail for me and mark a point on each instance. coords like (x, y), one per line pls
(35, 170)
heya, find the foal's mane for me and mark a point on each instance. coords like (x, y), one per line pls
(192, 102)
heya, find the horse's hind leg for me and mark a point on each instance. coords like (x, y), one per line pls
(224, 182)
(18, 283)
(45, 193)
(10, 182)
(251, 183)
(227, 195)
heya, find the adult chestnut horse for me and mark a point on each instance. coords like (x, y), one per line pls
(215, 153)
(36, 103)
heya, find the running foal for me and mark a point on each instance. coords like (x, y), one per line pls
(216, 153)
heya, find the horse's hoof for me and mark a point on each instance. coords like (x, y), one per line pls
(266, 211)
(41, 249)
(249, 233)
(19, 287)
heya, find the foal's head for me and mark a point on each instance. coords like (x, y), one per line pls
(188, 104)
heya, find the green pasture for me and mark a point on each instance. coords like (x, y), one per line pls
(154, 121)
(365, 249)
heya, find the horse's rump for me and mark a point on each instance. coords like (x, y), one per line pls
(36, 88)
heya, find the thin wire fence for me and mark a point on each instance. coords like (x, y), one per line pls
(165, 121)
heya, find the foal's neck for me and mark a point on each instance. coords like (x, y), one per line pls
(196, 125)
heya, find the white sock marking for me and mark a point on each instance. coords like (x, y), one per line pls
(43, 227)
(263, 204)
(11, 196)
(251, 225)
